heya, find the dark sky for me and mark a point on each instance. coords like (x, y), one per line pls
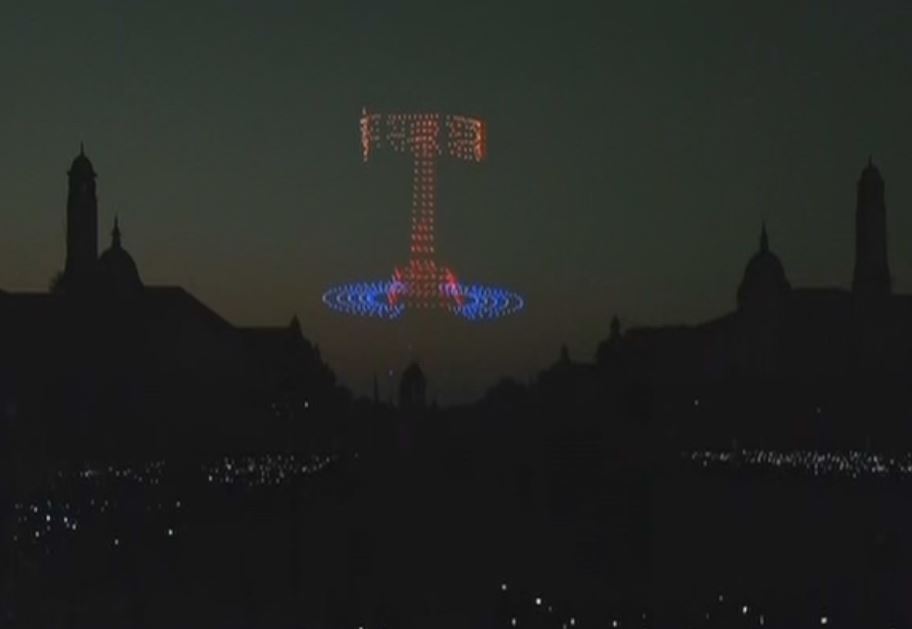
(634, 149)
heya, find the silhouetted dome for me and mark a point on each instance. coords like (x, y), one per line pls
(764, 280)
(116, 267)
(81, 166)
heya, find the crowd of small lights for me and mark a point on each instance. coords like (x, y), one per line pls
(150, 474)
(98, 498)
(262, 471)
(853, 464)
(422, 283)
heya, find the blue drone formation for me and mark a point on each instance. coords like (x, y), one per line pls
(372, 299)
(422, 283)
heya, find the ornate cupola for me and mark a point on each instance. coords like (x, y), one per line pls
(116, 269)
(764, 285)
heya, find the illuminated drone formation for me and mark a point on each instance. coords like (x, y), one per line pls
(422, 283)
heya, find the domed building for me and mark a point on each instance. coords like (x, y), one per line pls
(764, 284)
(810, 354)
(117, 271)
(106, 358)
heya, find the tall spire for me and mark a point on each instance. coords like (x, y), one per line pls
(115, 234)
(615, 327)
(872, 269)
(764, 239)
(81, 220)
(295, 326)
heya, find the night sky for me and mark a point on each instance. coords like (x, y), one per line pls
(634, 149)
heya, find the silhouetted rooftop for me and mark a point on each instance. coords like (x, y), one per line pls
(81, 166)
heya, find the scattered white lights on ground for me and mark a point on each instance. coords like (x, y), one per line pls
(260, 471)
(527, 610)
(100, 498)
(853, 464)
(150, 474)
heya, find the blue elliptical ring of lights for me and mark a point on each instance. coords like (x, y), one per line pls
(371, 299)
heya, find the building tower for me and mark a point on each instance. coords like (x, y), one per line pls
(412, 388)
(82, 222)
(872, 273)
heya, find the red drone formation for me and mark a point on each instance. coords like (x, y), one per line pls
(422, 283)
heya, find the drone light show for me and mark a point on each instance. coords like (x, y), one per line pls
(422, 283)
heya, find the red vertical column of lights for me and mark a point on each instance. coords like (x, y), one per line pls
(423, 281)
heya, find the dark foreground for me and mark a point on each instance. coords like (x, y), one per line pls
(449, 540)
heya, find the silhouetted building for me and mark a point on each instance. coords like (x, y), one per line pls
(798, 356)
(412, 389)
(110, 363)
(872, 273)
(116, 269)
(82, 223)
